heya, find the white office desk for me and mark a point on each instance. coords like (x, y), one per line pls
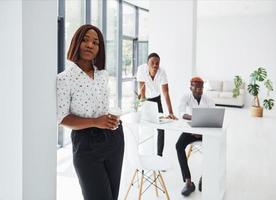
(214, 153)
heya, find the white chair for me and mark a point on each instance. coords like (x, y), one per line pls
(149, 166)
(193, 148)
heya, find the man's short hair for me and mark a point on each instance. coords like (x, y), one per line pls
(197, 79)
(153, 55)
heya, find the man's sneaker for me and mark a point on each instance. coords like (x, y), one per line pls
(200, 184)
(188, 189)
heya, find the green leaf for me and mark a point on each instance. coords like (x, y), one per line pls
(268, 103)
(259, 75)
(237, 81)
(253, 89)
(237, 86)
(253, 77)
(268, 85)
(236, 92)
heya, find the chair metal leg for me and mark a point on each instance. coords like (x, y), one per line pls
(141, 186)
(155, 183)
(131, 183)
(164, 186)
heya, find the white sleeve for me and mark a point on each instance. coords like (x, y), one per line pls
(182, 106)
(63, 98)
(163, 78)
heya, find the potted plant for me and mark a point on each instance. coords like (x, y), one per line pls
(237, 86)
(136, 115)
(256, 77)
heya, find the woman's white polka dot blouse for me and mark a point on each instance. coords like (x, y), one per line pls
(81, 95)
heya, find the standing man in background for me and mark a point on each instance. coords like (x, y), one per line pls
(151, 77)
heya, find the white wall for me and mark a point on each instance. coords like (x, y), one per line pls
(39, 107)
(28, 111)
(234, 38)
(171, 36)
(11, 100)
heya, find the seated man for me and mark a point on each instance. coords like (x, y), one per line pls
(193, 100)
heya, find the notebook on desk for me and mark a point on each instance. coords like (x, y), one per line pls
(207, 117)
(149, 112)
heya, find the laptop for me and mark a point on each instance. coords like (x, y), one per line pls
(149, 112)
(207, 117)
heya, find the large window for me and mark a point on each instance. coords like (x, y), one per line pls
(143, 34)
(74, 18)
(134, 50)
(128, 88)
(128, 80)
(71, 17)
(129, 20)
(127, 68)
(128, 55)
(112, 26)
(142, 52)
(96, 13)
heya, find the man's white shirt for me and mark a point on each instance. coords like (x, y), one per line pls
(188, 102)
(152, 86)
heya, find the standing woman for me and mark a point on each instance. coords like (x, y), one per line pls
(82, 104)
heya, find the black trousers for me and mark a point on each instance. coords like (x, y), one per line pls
(161, 135)
(97, 157)
(183, 141)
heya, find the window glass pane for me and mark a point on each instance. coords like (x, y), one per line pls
(96, 13)
(74, 18)
(143, 32)
(142, 52)
(128, 20)
(128, 92)
(111, 48)
(127, 58)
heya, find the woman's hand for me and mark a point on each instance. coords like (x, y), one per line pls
(107, 122)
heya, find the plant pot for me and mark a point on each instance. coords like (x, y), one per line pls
(256, 111)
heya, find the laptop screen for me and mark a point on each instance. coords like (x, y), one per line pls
(149, 112)
(207, 117)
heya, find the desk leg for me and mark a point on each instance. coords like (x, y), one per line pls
(214, 167)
